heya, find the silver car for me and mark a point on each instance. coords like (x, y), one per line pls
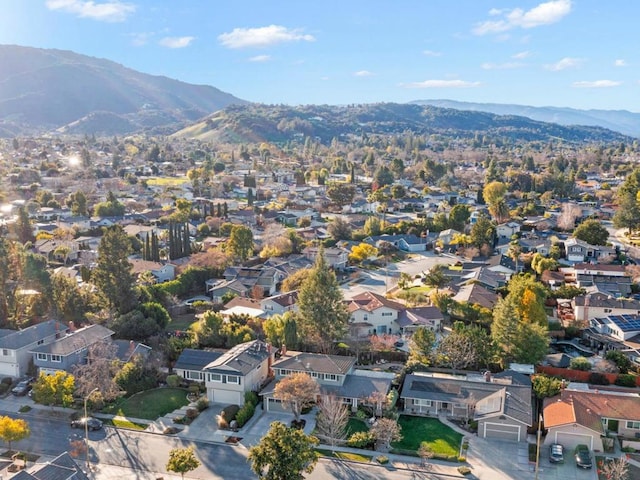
(556, 453)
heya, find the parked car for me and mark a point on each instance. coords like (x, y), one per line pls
(90, 422)
(583, 456)
(556, 453)
(23, 387)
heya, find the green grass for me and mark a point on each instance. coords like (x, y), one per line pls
(181, 322)
(424, 289)
(356, 425)
(443, 440)
(354, 457)
(119, 423)
(151, 404)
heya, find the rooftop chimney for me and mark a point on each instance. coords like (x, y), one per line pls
(487, 376)
(283, 349)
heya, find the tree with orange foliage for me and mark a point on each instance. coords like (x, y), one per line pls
(297, 392)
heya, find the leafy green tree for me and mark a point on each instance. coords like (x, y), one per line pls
(628, 213)
(109, 208)
(483, 232)
(545, 386)
(72, 302)
(281, 330)
(540, 264)
(372, 226)
(113, 275)
(436, 277)
(13, 430)
(398, 191)
(207, 330)
(458, 217)
(56, 389)
(421, 345)
(182, 460)
(620, 359)
(22, 227)
(340, 229)
(580, 363)
(323, 315)
(592, 232)
(77, 202)
(283, 454)
(383, 176)
(295, 280)
(341, 193)
(240, 243)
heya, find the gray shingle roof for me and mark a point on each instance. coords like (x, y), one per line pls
(76, 341)
(314, 362)
(16, 339)
(242, 358)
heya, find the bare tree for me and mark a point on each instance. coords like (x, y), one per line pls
(296, 392)
(385, 431)
(567, 218)
(425, 453)
(616, 469)
(332, 419)
(99, 371)
(379, 401)
(456, 350)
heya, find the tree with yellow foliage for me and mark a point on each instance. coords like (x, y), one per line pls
(362, 252)
(13, 429)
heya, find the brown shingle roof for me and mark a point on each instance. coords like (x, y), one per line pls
(315, 362)
(370, 301)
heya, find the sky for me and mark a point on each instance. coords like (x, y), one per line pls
(565, 53)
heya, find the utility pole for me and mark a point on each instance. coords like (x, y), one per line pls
(538, 445)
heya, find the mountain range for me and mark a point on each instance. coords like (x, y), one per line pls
(621, 121)
(44, 90)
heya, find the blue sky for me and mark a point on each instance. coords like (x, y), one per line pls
(565, 53)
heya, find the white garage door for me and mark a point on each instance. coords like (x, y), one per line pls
(570, 440)
(9, 370)
(501, 431)
(274, 405)
(226, 396)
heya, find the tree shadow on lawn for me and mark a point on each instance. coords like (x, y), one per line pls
(442, 439)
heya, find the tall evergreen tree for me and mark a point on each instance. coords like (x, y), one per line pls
(323, 315)
(113, 275)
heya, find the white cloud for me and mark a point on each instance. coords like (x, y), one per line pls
(110, 11)
(501, 66)
(176, 42)
(260, 58)
(521, 55)
(620, 63)
(542, 14)
(597, 84)
(431, 53)
(564, 64)
(441, 84)
(262, 36)
(140, 39)
(363, 73)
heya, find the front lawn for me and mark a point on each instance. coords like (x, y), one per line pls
(354, 457)
(444, 441)
(151, 404)
(356, 425)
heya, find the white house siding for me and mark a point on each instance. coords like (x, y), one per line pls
(502, 429)
(381, 317)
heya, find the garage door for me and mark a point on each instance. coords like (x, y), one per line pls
(501, 431)
(570, 440)
(274, 405)
(227, 397)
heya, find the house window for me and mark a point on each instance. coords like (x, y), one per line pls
(193, 375)
(330, 376)
(233, 379)
(42, 356)
(422, 402)
(387, 314)
(40, 342)
(314, 374)
(56, 358)
(5, 352)
(215, 377)
(633, 425)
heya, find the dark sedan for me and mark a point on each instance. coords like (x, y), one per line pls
(90, 423)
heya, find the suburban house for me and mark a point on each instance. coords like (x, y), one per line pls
(191, 363)
(476, 294)
(162, 272)
(406, 243)
(336, 258)
(445, 237)
(373, 314)
(579, 251)
(501, 403)
(619, 332)
(241, 369)
(596, 305)
(262, 280)
(63, 467)
(16, 345)
(69, 350)
(280, 304)
(585, 416)
(335, 374)
(410, 319)
(507, 230)
(217, 289)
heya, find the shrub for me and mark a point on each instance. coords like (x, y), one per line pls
(173, 381)
(24, 409)
(251, 397)
(598, 379)
(464, 470)
(194, 389)
(382, 459)
(229, 413)
(626, 380)
(361, 440)
(192, 413)
(179, 419)
(4, 388)
(245, 414)
(7, 381)
(580, 363)
(361, 415)
(202, 404)
(170, 431)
